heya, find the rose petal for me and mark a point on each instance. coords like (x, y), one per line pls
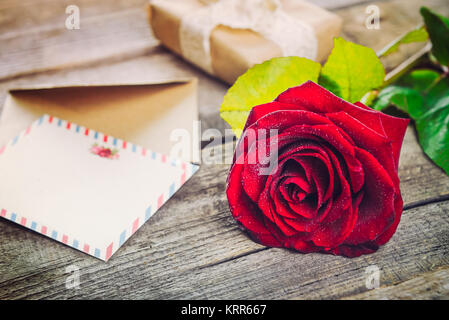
(310, 96)
(286, 120)
(379, 146)
(262, 110)
(355, 251)
(384, 237)
(394, 129)
(301, 245)
(331, 134)
(294, 189)
(376, 211)
(333, 234)
(323, 173)
(286, 229)
(266, 239)
(241, 206)
(320, 171)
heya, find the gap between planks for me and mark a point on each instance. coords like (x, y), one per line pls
(405, 211)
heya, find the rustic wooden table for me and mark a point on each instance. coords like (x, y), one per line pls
(192, 248)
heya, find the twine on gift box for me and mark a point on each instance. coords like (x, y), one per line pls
(266, 17)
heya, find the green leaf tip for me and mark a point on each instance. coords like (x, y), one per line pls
(351, 70)
(438, 28)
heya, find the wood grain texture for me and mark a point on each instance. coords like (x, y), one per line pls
(116, 35)
(32, 16)
(208, 257)
(20, 17)
(192, 248)
(34, 37)
(421, 181)
(397, 17)
(430, 285)
(278, 273)
(156, 64)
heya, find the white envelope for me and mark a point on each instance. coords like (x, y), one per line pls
(84, 188)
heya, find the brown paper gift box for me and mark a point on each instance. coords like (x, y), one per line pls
(233, 51)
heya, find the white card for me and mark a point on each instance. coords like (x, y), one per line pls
(83, 188)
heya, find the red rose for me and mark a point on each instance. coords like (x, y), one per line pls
(334, 187)
(105, 153)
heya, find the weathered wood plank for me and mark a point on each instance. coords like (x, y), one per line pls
(179, 237)
(429, 285)
(182, 250)
(20, 17)
(421, 244)
(115, 35)
(119, 30)
(157, 63)
(32, 16)
(421, 180)
(418, 246)
(172, 264)
(396, 18)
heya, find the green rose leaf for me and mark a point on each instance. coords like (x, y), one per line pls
(420, 80)
(263, 83)
(433, 133)
(424, 95)
(351, 71)
(408, 94)
(405, 99)
(417, 35)
(437, 92)
(438, 29)
(384, 97)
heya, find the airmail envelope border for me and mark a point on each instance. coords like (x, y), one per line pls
(105, 254)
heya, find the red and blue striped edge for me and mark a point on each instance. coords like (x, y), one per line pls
(105, 254)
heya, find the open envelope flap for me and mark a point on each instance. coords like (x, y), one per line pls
(137, 120)
(144, 114)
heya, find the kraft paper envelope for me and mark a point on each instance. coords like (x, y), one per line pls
(88, 189)
(142, 113)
